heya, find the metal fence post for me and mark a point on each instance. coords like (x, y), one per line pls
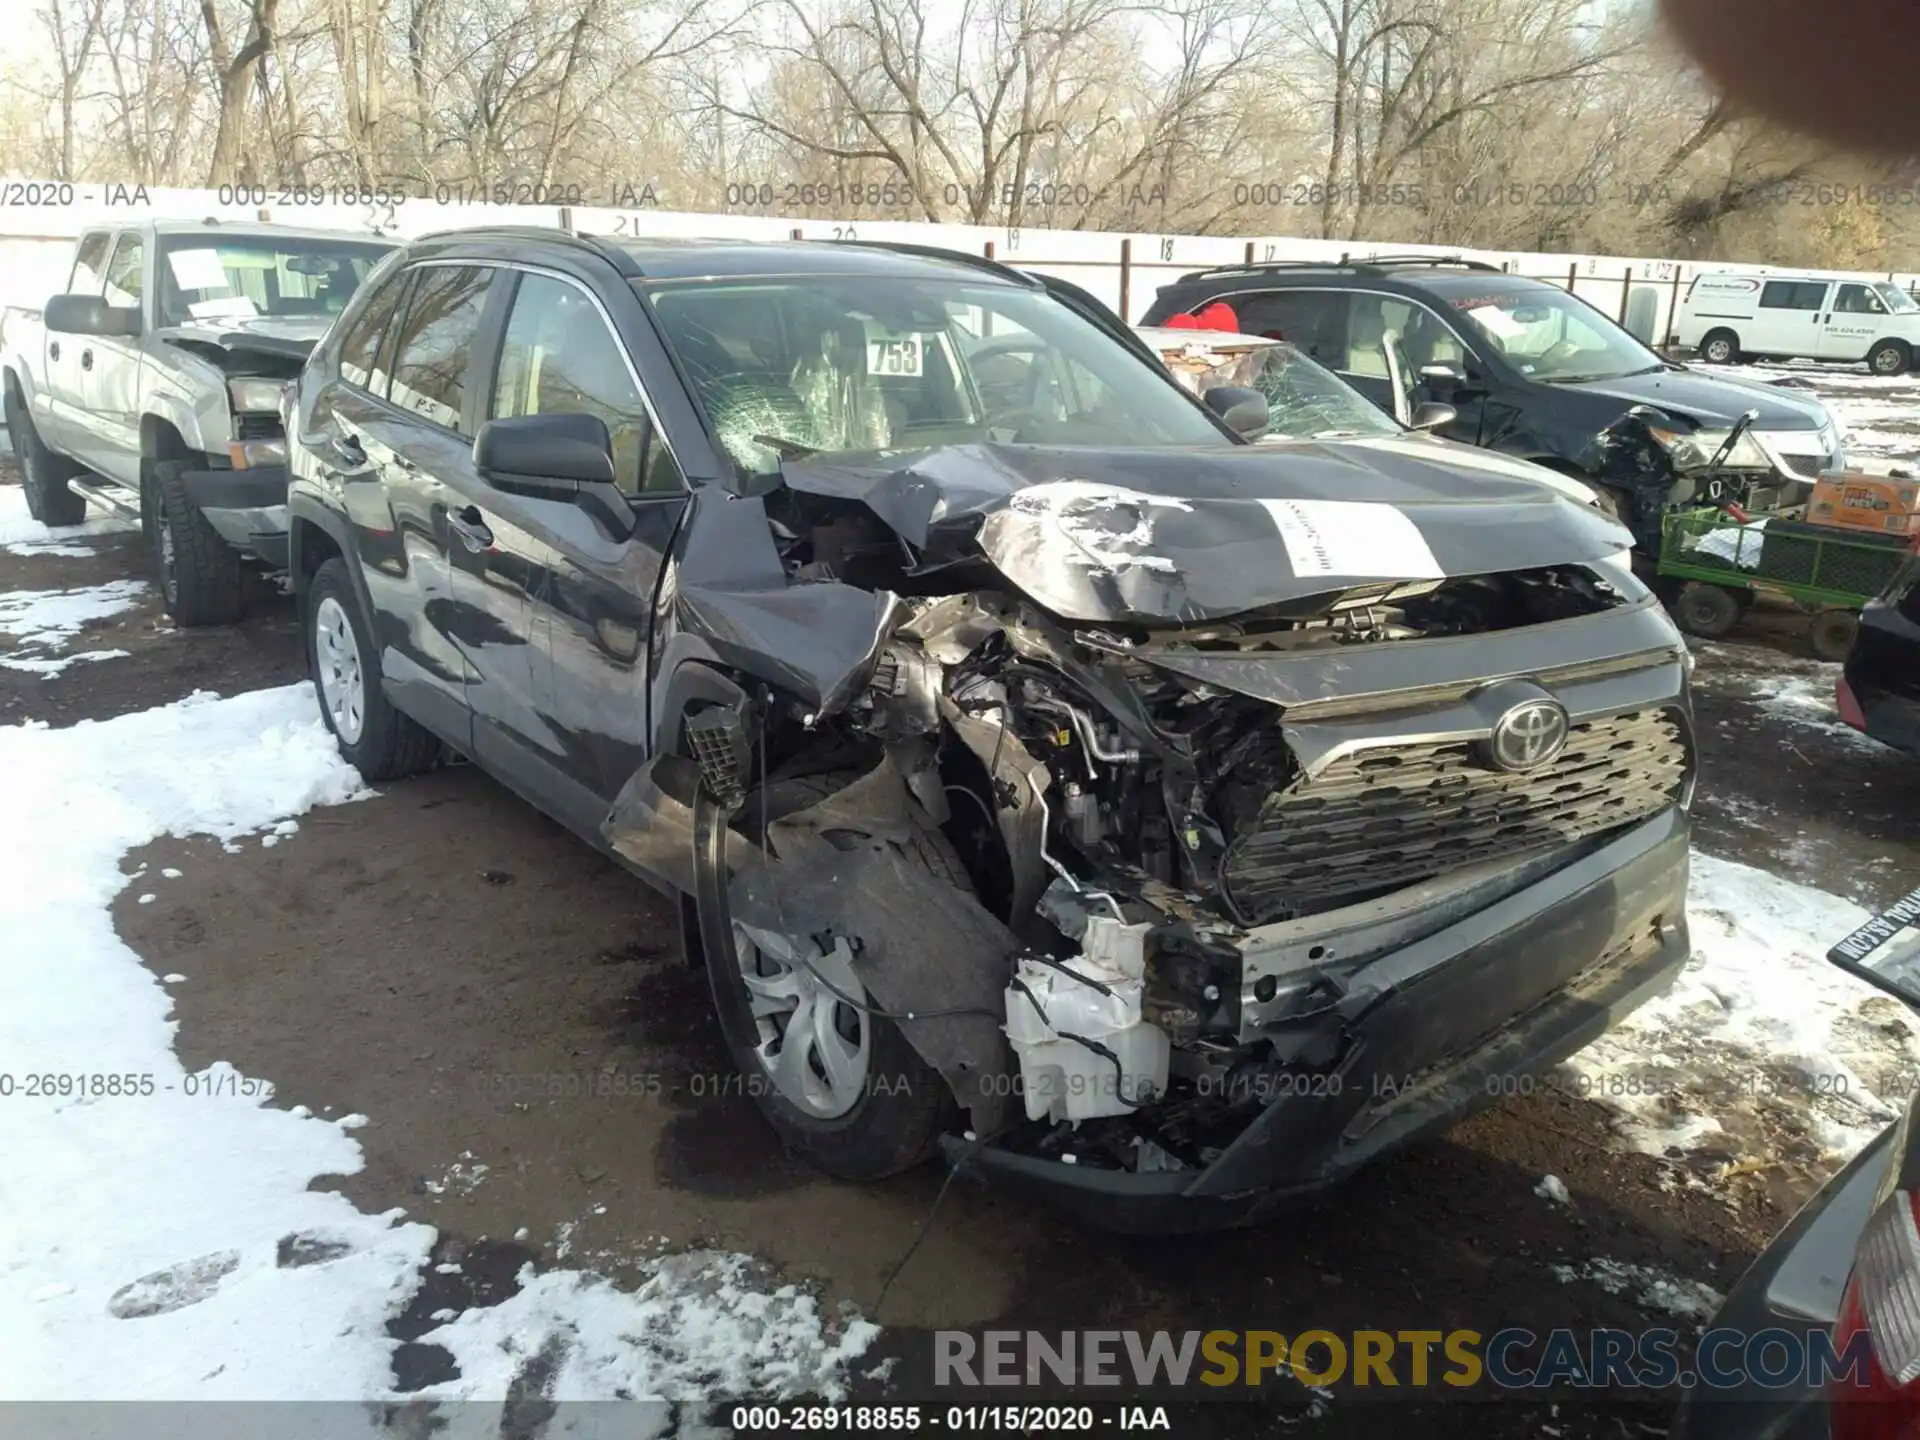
(1126, 278)
(1626, 290)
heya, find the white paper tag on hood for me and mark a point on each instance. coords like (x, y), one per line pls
(1355, 538)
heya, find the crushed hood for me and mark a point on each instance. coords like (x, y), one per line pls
(291, 336)
(1189, 534)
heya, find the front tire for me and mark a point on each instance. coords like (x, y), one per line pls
(1890, 357)
(840, 1085)
(376, 739)
(44, 474)
(1720, 347)
(200, 575)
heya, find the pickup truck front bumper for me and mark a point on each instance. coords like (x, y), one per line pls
(246, 508)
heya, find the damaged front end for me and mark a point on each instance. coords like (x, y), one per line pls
(1290, 822)
(1660, 465)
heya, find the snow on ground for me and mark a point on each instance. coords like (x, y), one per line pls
(163, 1242)
(21, 534)
(47, 619)
(1762, 1050)
(1650, 1288)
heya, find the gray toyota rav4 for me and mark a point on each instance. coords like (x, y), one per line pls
(1165, 802)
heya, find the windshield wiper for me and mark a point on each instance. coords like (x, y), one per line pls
(786, 449)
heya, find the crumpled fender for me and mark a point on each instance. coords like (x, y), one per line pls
(845, 866)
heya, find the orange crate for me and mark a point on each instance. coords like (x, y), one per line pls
(1880, 503)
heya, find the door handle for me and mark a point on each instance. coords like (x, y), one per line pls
(471, 526)
(53, 349)
(86, 359)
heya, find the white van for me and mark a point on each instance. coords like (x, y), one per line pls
(1794, 317)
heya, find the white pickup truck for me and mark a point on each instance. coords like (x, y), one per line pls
(152, 386)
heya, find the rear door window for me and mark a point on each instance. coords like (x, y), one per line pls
(1313, 320)
(1793, 295)
(361, 349)
(437, 341)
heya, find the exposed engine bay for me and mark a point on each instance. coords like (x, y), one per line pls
(1160, 731)
(1129, 819)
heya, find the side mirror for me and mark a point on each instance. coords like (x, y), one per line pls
(564, 457)
(1245, 411)
(90, 315)
(1431, 416)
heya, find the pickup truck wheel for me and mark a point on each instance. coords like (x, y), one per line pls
(44, 474)
(838, 1083)
(201, 578)
(376, 739)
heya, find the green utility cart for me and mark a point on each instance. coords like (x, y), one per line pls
(1714, 561)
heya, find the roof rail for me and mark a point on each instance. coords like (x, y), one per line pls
(1260, 269)
(1383, 262)
(935, 252)
(1363, 265)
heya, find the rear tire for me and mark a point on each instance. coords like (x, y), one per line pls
(902, 1104)
(1890, 357)
(200, 576)
(1720, 347)
(44, 475)
(1709, 611)
(376, 739)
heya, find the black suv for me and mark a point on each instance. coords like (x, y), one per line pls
(1032, 752)
(1530, 370)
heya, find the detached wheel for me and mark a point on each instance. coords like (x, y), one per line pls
(1833, 632)
(202, 581)
(1890, 357)
(1708, 611)
(839, 1084)
(44, 474)
(1720, 347)
(376, 739)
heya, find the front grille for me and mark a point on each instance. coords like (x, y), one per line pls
(256, 427)
(1807, 465)
(1381, 819)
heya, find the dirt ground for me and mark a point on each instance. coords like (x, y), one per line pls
(441, 959)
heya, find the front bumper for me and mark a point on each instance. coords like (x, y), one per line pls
(1438, 1027)
(246, 508)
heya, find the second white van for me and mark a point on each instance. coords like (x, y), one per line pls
(1728, 318)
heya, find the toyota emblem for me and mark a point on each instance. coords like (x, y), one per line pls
(1529, 735)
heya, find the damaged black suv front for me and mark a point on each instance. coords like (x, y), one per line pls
(1198, 819)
